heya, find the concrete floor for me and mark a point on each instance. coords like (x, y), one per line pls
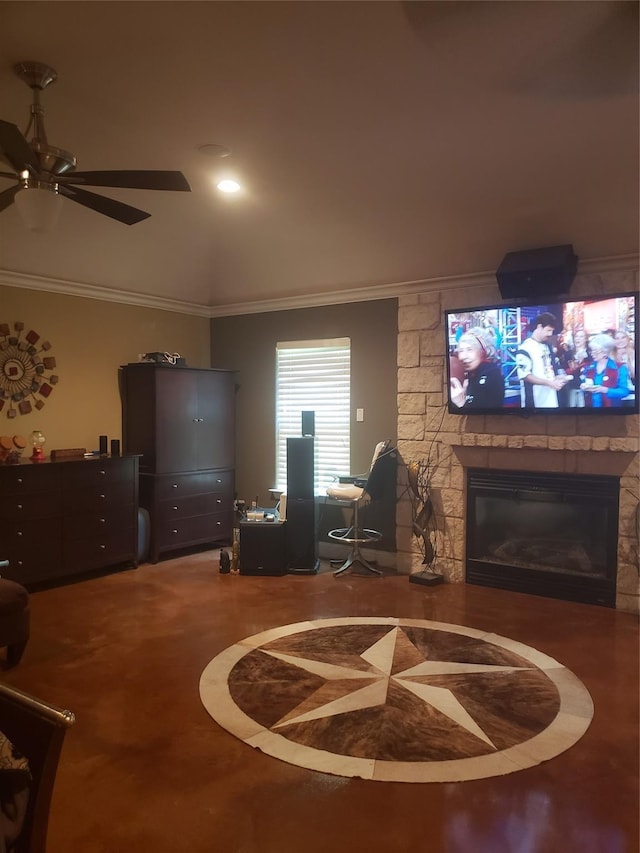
(145, 768)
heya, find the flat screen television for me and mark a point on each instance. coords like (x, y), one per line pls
(578, 356)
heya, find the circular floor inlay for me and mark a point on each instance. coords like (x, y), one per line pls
(403, 700)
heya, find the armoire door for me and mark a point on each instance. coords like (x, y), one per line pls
(178, 428)
(215, 438)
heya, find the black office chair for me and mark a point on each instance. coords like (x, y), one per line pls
(355, 493)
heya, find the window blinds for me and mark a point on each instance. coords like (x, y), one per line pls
(314, 376)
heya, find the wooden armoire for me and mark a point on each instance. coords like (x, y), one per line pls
(181, 421)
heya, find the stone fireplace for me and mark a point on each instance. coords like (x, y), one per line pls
(457, 447)
(541, 533)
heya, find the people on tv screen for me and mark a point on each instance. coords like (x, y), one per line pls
(604, 382)
(554, 356)
(479, 383)
(538, 366)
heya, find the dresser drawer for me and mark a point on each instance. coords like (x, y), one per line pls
(30, 505)
(189, 531)
(34, 550)
(83, 555)
(182, 507)
(98, 498)
(97, 472)
(28, 479)
(193, 484)
(88, 525)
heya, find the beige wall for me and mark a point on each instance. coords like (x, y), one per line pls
(90, 339)
(247, 344)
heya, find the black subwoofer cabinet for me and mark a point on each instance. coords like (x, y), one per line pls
(262, 548)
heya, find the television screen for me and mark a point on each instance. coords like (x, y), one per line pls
(577, 356)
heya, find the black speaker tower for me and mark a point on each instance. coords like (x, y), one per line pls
(537, 273)
(301, 545)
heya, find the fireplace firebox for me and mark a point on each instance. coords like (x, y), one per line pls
(546, 534)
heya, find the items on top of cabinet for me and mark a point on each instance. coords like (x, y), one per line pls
(171, 358)
(11, 448)
(37, 441)
(68, 453)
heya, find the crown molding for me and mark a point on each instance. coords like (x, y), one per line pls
(104, 294)
(591, 266)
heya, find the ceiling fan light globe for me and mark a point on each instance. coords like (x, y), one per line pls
(39, 207)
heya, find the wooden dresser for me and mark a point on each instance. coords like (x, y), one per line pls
(181, 421)
(60, 519)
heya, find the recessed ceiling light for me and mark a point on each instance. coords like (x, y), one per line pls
(228, 186)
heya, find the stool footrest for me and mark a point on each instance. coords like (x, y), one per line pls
(351, 536)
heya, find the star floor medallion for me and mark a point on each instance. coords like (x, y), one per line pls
(390, 699)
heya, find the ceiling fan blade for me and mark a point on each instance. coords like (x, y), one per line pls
(16, 149)
(133, 179)
(6, 197)
(115, 209)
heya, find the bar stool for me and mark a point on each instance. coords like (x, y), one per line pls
(355, 494)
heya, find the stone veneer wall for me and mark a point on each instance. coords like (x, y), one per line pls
(543, 443)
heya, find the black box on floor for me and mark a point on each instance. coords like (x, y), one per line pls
(262, 548)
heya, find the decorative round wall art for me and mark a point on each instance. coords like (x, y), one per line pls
(26, 377)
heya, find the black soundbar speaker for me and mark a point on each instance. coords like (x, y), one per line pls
(300, 468)
(537, 273)
(301, 545)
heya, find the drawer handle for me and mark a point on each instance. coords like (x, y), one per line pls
(218, 500)
(174, 507)
(103, 520)
(103, 473)
(174, 485)
(174, 530)
(19, 506)
(218, 523)
(103, 547)
(20, 563)
(20, 479)
(102, 497)
(19, 532)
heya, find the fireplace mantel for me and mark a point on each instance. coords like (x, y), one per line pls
(525, 457)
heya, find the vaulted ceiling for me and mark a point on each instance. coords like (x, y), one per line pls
(378, 143)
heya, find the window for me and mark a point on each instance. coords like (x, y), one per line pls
(314, 376)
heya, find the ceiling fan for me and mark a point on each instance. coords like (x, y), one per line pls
(39, 165)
